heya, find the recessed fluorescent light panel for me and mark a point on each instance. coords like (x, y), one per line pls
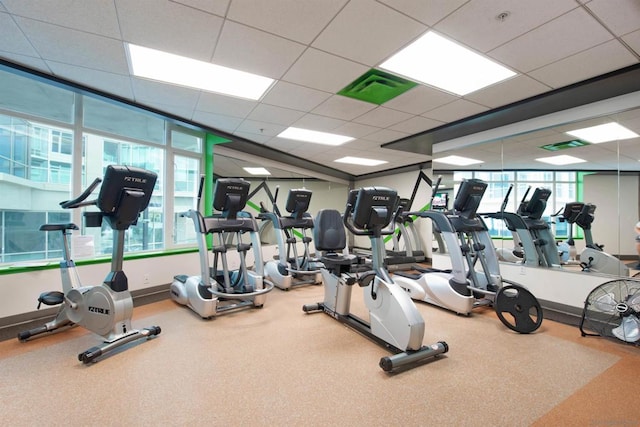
(458, 161)
(257, 171)
(360, 161)
(179, 70)
(439, 62)
(604, 133)
(560, 160)
(314, 136)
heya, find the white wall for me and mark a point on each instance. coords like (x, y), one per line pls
(616, 200)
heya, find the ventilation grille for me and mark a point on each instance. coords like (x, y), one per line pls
(377, 87)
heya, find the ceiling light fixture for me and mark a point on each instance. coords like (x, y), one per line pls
(450, 66)
(458, 161)
(257, 171)
(179, 70)
(604, 133)
(314, 136)
(360, 161)
(561, 160)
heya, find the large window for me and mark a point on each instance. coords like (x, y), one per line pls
(563, 186)
(55, 141)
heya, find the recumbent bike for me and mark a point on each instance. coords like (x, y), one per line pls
(394, 321)
(105, 309)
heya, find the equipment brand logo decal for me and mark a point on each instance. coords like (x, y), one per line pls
(98, 310)
(135, 179)
(382, 198)
(233, 187)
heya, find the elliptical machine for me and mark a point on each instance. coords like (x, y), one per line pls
(218, 290)
(592, 258)
(290, 269)
(395, 322)
(464, 288)
(104, 309)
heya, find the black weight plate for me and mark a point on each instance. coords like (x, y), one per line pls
(518, 309)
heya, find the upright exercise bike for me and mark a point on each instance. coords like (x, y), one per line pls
(220, 290)
(104, 309)
(394, 321)
(292, 269)
(593, 257)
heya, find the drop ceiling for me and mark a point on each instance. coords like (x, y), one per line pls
(314, 49)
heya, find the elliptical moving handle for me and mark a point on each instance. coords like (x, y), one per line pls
(80, 200)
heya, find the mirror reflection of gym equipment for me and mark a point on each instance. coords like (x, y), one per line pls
(292, 269)
(466, 285)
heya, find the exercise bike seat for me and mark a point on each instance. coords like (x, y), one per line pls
(58, 227)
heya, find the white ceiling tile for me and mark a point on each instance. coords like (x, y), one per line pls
(368, 32)
(455, 110)
(342, 107)
(420, 99)
(633, 40)
(225, 105)
(89, 50)
(27, 61)
(273, 114)
(296, 20)
(96, 17)
(416, 124)
(312, 151)
(260, 138)
(218, 7)
(217, 121)
(427, 12)
(311, 70)
(13, 40)
(109, 83)
(386, 135)
(260, 128)
(161, 30)
(586, 64)
(620, 16)
(255, 51)
(285, 145)
(355, 130)
(289, 95)
(319, 123)
(382, 117)
(149, 92)
(564, 36)
(511, 90)
(476, 25)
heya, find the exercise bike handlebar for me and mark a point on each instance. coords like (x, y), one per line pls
(80, 200)
(505, 201)
(435, 190)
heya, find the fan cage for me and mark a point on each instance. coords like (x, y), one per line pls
(612, 310)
